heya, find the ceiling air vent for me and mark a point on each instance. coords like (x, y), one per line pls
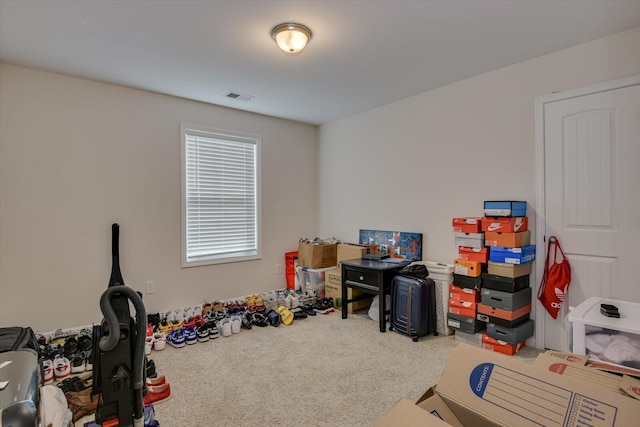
(239, 96)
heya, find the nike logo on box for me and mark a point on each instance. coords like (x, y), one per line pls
(519, 223)
(494, 226)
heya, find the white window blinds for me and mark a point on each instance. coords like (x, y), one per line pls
(221, 197)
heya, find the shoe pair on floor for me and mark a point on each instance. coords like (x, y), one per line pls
(324, 305)
(157, 341)
(158, 390)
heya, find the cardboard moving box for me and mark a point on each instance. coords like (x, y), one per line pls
(483, 388)
(315, 255)
(333, 289)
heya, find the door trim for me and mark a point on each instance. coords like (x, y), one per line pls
(541, 249)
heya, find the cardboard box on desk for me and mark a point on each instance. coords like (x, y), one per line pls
(333, 289)
(352, 251)
(483, 388)
(314, 255)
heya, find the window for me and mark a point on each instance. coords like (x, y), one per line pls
(220, 196)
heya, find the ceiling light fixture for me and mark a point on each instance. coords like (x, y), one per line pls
(291, 38)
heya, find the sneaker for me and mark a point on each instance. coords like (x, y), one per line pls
(236, 324)
(198, 319)
(197, 310)
(246, 320)
(176, 339)
(159, 380)
(159, 341)
(157, 394)
(165, 327)
(148, 345)
(202, 332)
(206, 308)
(308, 310)
(47, 366)
(258, 319)
(224, 326)
(151, 368)
(189, 323)
(324, 306)
(190, 336)
(298, 313)
(294, 300)
(213, 330)
(77, 364)
(176, 325)
(61, 368)
(149, 330)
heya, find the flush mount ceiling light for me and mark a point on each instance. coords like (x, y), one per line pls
(291, 38)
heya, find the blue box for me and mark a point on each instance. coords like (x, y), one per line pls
(505, 208)
(521, 255)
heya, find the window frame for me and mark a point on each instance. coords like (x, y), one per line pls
(198, 130)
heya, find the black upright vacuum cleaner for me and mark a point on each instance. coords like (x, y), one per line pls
(119, 359)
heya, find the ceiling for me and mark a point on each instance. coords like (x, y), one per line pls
(363, 54)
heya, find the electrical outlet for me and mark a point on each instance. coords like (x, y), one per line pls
(151, 287)
(278, 268)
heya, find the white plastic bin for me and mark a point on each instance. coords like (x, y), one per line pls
(610, 339)
(442, 275)
(312, 279)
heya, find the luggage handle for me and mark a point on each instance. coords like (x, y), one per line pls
(409, 304)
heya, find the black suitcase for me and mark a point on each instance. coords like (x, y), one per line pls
(16, 338)
(20, 395)
(413, 306)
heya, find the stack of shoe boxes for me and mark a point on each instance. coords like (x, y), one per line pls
(464, 292)
(506, 295)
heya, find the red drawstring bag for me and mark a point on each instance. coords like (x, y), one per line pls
(555, 280)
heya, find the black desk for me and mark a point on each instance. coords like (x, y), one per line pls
(373, 277)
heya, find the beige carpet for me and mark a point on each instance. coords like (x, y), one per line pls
(319, 371)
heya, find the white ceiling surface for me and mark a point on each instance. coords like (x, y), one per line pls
(363, 54)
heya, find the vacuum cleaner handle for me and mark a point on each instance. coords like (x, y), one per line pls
(109, 342)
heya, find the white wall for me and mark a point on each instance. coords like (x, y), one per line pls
(77, 155)
(414, 164)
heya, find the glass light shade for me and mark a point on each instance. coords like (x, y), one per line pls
(291, 38)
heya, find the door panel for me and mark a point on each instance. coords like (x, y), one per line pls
(592, 196)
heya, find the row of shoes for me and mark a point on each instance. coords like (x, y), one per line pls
(65, 353)
(221, 322)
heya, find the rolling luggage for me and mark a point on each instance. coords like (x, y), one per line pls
(413, 306)
(16, 337)
(20, 394)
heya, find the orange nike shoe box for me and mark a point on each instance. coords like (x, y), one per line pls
(463, 308)
(505, 224)
(466, 225)
(463, 294)
(502, 313)
(470, 254)
(507, 240)
(467, 268)
(500, 346)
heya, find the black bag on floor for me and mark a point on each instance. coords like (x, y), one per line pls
(16, 338)
(413, 306)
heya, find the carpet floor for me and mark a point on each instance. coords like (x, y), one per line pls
(320, 371)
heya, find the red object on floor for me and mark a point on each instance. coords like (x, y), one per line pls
(157, 393)
(290, 268)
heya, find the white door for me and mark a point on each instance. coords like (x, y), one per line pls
(592, 198)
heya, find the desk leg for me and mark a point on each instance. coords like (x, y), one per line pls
(345, 304)
(383, 308)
